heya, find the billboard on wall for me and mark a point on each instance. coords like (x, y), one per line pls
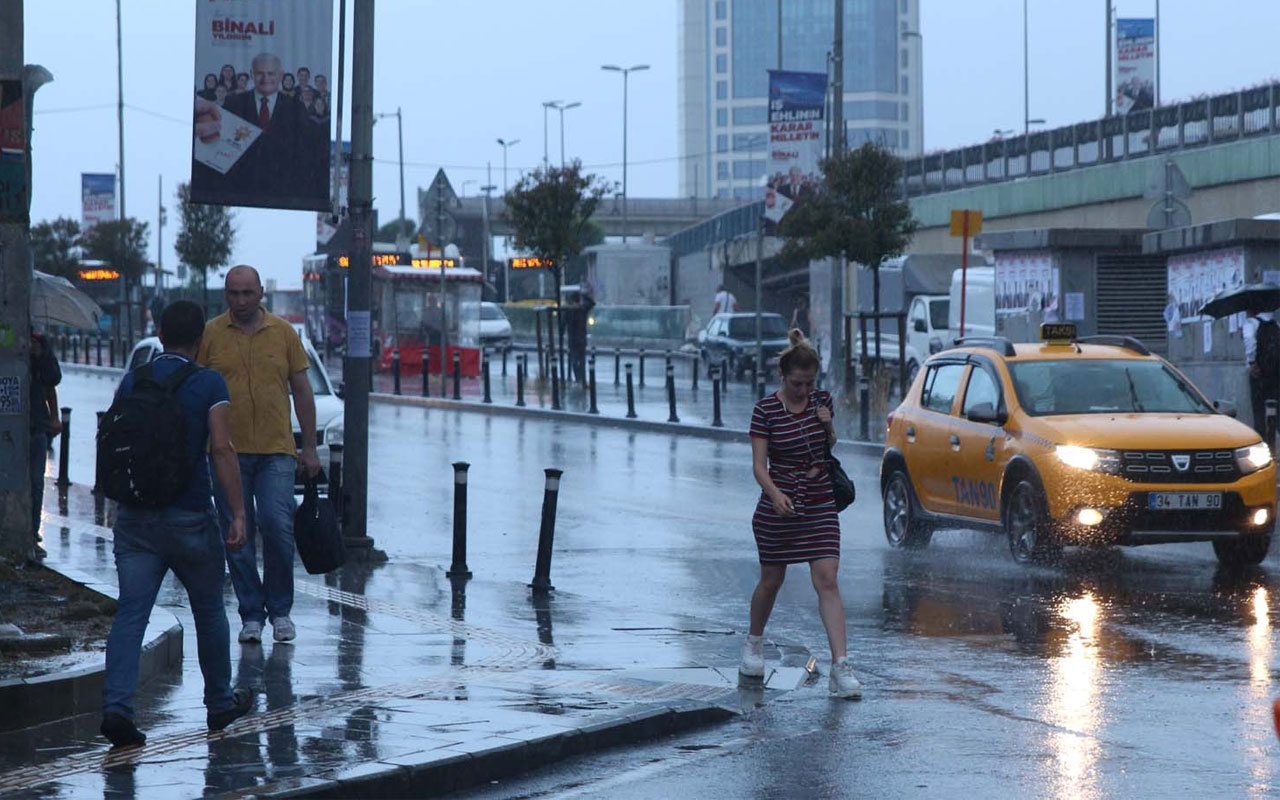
(1195, 278)
(1026, 280)
(262, 103)
(796, 139)
(97, 199)
(1135, 65)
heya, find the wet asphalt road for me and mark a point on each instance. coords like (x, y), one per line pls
(1145, 673)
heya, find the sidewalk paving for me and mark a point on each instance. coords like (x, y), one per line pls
(399, 684)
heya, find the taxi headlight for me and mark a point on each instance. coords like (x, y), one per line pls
(1253, 458)
(1093, 459)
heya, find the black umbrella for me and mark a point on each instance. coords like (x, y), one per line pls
(1251, 296)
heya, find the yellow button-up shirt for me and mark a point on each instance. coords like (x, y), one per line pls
(257, 370)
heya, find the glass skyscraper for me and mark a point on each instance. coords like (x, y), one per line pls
(726, 50)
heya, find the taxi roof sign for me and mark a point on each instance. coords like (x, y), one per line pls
(1057, 332)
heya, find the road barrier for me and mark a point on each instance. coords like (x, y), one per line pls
(395, 371)
(457, 375)
(488, 387)
(458, 569)
(591, 384)
(555, 387)
(716, 421)
(631, 395)
(426, 372)
(64, 453)
(671, 394)
(521, 362)
(547, 532)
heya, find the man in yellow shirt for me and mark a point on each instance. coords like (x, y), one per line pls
(262, 360)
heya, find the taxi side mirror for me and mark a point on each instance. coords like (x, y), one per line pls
(1225, 407)
(986, 413)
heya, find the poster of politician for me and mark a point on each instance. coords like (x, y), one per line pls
(261, 119)
(1135, 65)
(796, 139)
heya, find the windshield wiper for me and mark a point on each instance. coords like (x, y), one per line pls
(1133, 392)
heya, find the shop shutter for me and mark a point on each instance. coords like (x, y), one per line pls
(1131, 292)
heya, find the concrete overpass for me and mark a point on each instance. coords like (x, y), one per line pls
(655, 216)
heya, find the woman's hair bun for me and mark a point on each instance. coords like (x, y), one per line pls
(796, 336)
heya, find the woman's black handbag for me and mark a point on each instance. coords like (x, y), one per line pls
(841, 484)
(316, 532)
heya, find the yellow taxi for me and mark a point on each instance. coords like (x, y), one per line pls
(1073, 441)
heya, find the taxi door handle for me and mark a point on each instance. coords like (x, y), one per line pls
(955, 440)
(911, 430)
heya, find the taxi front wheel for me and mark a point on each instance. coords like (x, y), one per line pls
(901, 527)
(1245, 551)
(1026, 525)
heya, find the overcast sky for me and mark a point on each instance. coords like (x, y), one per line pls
(466, 73)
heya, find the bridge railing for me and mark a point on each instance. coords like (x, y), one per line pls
(1139, 134)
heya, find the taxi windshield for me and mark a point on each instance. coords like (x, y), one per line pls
(1103, 386)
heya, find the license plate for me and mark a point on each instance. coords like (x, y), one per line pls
(1184, 501)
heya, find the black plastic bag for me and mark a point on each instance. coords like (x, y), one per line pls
(316, 532)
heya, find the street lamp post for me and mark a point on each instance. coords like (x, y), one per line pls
(505, 143)
(546, 105)
(402, 236)
(563, 107)
(625, 72)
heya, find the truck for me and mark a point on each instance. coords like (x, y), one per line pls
(980, 303)
(927, 333)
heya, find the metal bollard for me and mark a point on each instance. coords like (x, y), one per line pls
(555, 386)
(97, 478)
(335, 482)
(426, 372)
(716, 422)
(458, 569)
(520, 368)
(395, 371)
(111, 351)
(640, 356)
(671, 394)
(695, 364)
(98, 346)
(864, 407)
(631, 396)
(617, 366)
(62, 348)
(457, 375)
(75, 349)
(591, 384)
(547, 533)
(64, 452)
(484, 368)
(505, 350)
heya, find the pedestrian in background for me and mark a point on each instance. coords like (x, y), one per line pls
(1262, 355)
(795, 520)
(44, 423)
(262, 359)
(182, 536)
(724, 302)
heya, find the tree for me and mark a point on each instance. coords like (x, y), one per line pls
(390, 231)
(550, 212)
(858, 213)
(205, 237)
(122, 243)
(54, 246)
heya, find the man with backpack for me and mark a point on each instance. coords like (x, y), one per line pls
(152, 461)
(1262, 354)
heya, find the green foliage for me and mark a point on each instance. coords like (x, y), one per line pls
(205, 237)
(387, 233)
(857, 213)
(54, 246)
(550, 212)
(121, 243)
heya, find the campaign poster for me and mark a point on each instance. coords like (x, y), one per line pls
(796, 139)
(262, 105)
(97, 199)
(1135, 65)
(1194, 279)
(1026, 280)
(15, 200)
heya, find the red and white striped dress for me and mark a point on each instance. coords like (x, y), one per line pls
(797, 442)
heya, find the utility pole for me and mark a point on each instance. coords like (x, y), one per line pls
(357, 365)
(1107, 39)
(123, 314)
(837, 133)
(488, 240)
(16, 536)
(160, 219)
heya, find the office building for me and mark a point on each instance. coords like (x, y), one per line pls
(726, 50)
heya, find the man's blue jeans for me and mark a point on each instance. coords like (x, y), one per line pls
(267, 483)
(148, 543)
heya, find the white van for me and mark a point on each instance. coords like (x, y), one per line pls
(980, 303)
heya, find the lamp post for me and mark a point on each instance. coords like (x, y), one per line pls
(546, 104)
(505, 143)
(563, 107)
(402, 236)
(625, 72)
(919, 83)
(1026, 84)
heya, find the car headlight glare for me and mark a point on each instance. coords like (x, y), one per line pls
(333, 431)
(1253, 458)
(1089, 458)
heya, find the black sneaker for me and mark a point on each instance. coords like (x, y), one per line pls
(121, 731)
(242, 703)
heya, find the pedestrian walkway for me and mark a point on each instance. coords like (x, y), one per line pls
(401, 682)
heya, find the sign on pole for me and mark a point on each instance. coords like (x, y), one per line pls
(1135, 64)
(965, 222)
(796, 140)
(97, 199)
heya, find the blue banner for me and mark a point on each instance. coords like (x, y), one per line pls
(1135, 65)
(796, 139)
(97, 199)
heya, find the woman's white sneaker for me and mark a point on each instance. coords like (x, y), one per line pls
(842, 682)
(752, 665)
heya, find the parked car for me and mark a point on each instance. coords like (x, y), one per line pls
(495, 328)
(1088, 441)
(329, 406)
(731, 339)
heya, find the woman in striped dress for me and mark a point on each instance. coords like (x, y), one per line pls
(795, 519)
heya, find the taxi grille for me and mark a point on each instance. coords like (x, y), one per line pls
(1167, 466)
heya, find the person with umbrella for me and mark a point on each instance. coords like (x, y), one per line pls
(1262, 354)
(44, 423)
